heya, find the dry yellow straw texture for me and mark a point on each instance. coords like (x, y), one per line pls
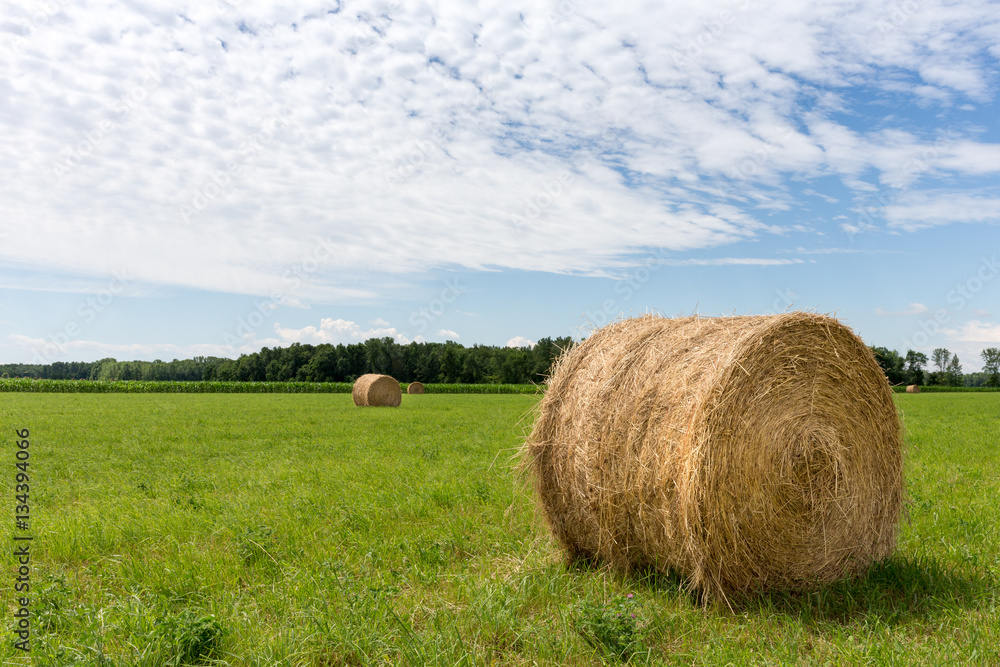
(913, 389)
(744, 453)
(415, 388)
(377, 390)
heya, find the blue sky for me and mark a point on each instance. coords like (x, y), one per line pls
(207, 179)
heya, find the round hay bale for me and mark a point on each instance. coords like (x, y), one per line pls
(743, 453)
(377, 390)
(415, 388)
(913, 389)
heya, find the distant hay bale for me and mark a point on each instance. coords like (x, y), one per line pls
(377, 390)
(913, 389)
(415, 388)
(744, 453)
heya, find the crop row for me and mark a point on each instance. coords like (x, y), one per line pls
(900, 389)
(226, 387)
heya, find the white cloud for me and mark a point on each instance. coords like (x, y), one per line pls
(520, 341)
(827, 198)
(914, 309)
(968, 341)
(731, 261)
(920, 209)
(323, 155)
(974, 331)
(447, 333)
(836, 251)
(329, 331)
(45, 351)
(335, 332)
(379, 322)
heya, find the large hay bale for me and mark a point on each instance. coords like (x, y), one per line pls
(743, 453)
(377, 390)
(913, 389)
(415, 388)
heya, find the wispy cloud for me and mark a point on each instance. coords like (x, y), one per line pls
(928, 209)
(974, 331)
(835, 251)
(412, 137)
(91, 350)
(732, 261)
(335, 331)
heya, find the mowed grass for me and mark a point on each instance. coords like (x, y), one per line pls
(300, 530)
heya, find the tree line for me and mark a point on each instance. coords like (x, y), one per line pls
(439, 362)
(945, 368)
(425, 362)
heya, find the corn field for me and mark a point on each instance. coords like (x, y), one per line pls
(233, 387)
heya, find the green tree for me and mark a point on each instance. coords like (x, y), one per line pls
(891, 363)
(377, 354)
(451, 363)
(953, 374)
(991, 366)
(915, 362)
(940, 357)
(428, 364)
(472, 369)
(322, 367)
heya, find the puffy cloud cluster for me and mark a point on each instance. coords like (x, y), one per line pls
(217, 145)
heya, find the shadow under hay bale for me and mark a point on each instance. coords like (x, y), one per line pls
(415, 388)
(744, 453)
(377, 391)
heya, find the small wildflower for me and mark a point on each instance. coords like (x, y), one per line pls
(629, 596)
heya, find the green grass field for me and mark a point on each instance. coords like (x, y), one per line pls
(273, 529)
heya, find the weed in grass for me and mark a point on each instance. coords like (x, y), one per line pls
(187, 637)
(145, 489)
(481, 491)
(614, 628)
(257, 547)
(65, 656)
(54, 605)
